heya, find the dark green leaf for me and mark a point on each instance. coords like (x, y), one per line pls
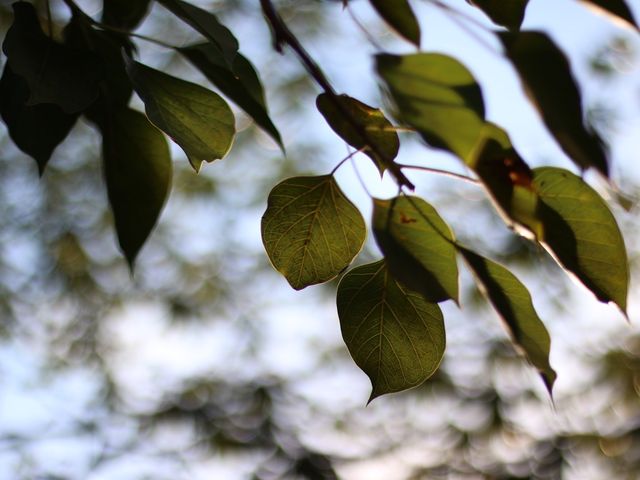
(616, 8)
(508, 13)
(438, 96)
(379, 130)
(394, 335)
(36, 130)
(137, 170)
(418, 246)
(512, 301)
(310, 230)
(546, 76)
(582, 233)
(242, 84)
(399, 15)
(125, 14)
(207, 24)
(55, 73)
(197, 119)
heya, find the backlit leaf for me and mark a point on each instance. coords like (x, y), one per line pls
(125, 14)
(379, 130)
(512, 301)
(582, 233)
(137, 170)
(508, 13)
(546, 76)
(418, 246)
(618, 9)
(393, 334)
(438, 96)
(310, 230)
(399, 15)
(197, 119)
(54, 73)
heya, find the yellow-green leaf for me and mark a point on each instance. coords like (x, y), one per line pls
(399, 15)
(310, 230)
(393, 334)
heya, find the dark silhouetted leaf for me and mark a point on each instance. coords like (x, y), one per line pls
(137, 170)
(125, 14)
(394, 335)
(512, 301)
(399, 15)
(197, 119)
(418, 246)
(438, 96)
(546, 76)
(36, 130)
(55, 73)
(310, 230)
(206, 24)
(508, 13)
(242, 84)
(372, 120)
(582, 233)
(618, 9)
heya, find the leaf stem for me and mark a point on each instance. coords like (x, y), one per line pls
(439, 171)
(362, 28)
(341, 162)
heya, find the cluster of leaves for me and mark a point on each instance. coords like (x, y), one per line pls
(389, 312)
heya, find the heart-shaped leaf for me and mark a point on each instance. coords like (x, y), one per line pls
(310, 230)
(137, 170)
(512, 301)
(508, 13)
(394, 335)
(197, 119)
(379, 130)
(618, 9)
(399, 15)
(418, 246)
(438, 96)
(546, 76)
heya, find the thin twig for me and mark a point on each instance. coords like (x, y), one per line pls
(341, 162)
(439, 171)
(362, 28)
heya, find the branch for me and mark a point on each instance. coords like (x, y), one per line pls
(283, 36)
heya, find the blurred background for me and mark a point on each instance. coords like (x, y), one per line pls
(206, 365)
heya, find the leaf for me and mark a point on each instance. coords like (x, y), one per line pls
(207, 24)
(23, 121)
(512, 301)
(508, 13)
(583, 234)
(125, 14)
(54, 73)
(618, 9)
(137, 170)
(310, 230)
(197, 119)
(438, 96)
(399, 15)
(394, 335)
(546, 76)
(241, 84)
(379, 130)
(418, 246)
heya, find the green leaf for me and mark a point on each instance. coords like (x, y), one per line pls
(508, 13)
(207, 24)
(438, 96)
(546, 76)
(36, 130)
(55, 73)
(582, 233)
(197, 119)
(512, 301)
(618, 9)
(399, 15)
(241, 84)
(379, 130)
(125, 14)
(418, 246)
(394, 335)
(310, 230)
(137, 170)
